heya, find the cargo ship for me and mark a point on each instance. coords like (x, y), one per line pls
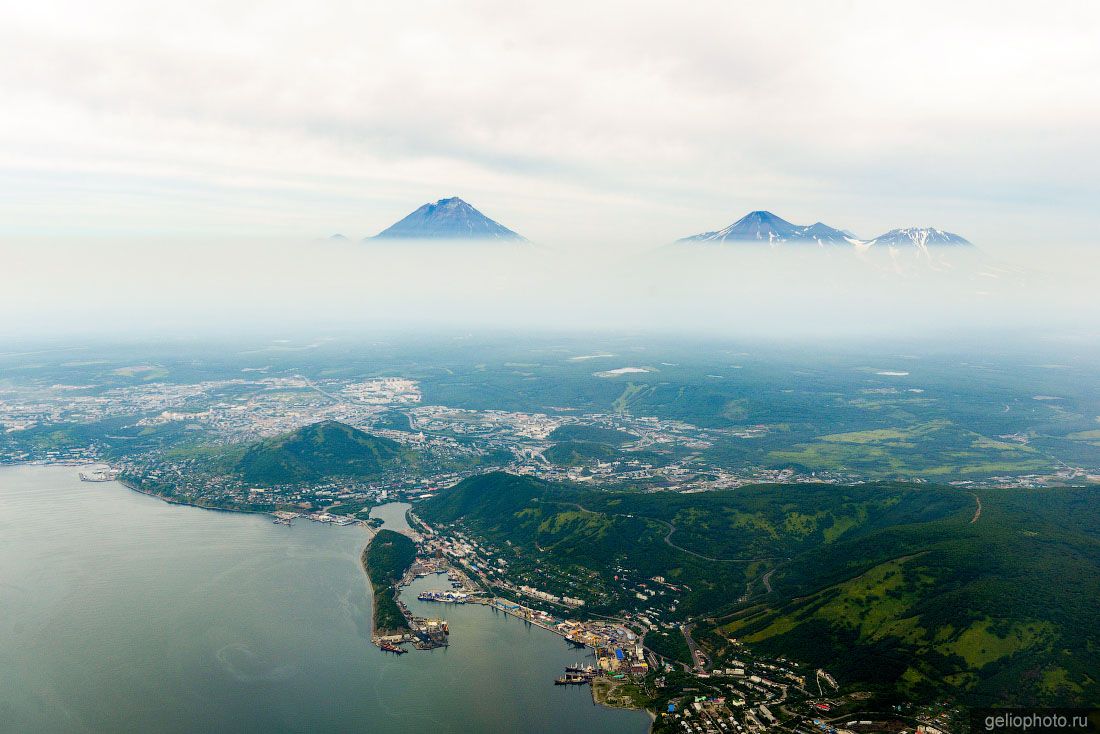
(389, 647)
(446, 597)
(571, 680)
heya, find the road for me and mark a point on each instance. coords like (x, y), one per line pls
(698, 659)
(668, 537)
(978, 511)
(310, 384)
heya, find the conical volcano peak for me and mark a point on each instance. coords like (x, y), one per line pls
(764, 226)
(448, 219)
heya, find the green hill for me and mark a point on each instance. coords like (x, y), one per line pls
(492, 498)
(1000, 610)
(578, 453)
(321, 451)
(887, 585)
(713, 543)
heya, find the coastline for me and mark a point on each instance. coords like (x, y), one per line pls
(375, 633)
(377, 636)
(172, 501)
(385, 581)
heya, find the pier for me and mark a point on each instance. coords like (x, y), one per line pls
(444, 597)
(99, 475)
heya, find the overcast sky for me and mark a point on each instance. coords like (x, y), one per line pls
(628, 123)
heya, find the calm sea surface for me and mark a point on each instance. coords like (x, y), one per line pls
(122, 613)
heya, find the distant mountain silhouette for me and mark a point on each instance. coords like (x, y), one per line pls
(920, 237)
(765, 227)
(448, 219)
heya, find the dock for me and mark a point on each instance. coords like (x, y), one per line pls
(99, 475)
(444, 596)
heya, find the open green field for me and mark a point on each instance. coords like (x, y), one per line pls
(935, 450)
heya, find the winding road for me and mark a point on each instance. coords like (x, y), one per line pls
(668, 541)
(668, 537)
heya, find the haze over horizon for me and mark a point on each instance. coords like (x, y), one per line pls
(181, 169)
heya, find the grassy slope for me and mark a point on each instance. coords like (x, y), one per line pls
(595, 530)
(1001, 610)
(549, 525)
(888, 583)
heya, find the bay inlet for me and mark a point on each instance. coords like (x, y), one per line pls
(120, 612)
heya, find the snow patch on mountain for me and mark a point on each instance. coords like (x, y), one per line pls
(765, 227)
(921, 238)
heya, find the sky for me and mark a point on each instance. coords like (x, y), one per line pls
(580, 124)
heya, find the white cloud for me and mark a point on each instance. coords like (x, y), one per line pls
(620, 123)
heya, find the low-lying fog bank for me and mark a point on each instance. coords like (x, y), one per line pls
(787, 292)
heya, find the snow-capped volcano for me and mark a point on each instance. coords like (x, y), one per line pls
(765, 227)
(919, 237)
(448, 219)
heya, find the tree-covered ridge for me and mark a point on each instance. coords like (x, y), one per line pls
(998, 610)
(762, 522)
(713, 544)
(780, 520)
(386, 558)
(317, 452)
(890, 584)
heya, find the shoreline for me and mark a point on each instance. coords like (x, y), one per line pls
(376, 638)
(134, 488)
(385, 585)
(131, 486)
(375, 633)
(181, 503)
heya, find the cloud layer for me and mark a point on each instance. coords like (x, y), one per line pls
(614, 124)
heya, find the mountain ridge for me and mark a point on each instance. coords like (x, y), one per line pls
(764, 227)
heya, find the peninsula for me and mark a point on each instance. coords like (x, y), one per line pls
(385, 559)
